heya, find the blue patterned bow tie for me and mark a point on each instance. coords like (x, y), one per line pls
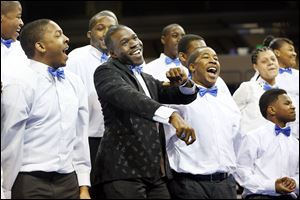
(213, 91)
(104, 58)
(138, 68)
(286, 131)
(7, 43)
(59, 73)
(287, 70)
(176, 61)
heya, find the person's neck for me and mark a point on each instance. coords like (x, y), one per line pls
(270, 81)
(101, 50)
(279, 123)
(282, 65)
(170, 55)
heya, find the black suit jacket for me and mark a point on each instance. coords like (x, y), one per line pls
(131, 146)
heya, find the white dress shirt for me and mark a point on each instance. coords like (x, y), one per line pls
(158, 68)
(247, 98)
(84, 61)
(163, 113)
(216, 124)
(44, 125)
(13, 56)
(2, 194)
(264, 157)
(290, 83)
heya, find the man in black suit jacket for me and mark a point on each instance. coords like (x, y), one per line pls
(129, 160)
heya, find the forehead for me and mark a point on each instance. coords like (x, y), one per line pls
(52, 27)
(206, 50)
(267, 53)
(286, 45)
(123, 33)
(175, 29)
(283, 97)
(106, 20)
(13, 8)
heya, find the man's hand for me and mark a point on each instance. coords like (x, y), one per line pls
(84, 192)
(285, 185)
(177, 76)
(183, 130)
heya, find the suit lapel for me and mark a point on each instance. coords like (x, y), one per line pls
(125, 68)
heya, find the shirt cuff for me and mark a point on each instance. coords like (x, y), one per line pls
(270, 186)
(84, 179)
(188, 90)
(162, 114)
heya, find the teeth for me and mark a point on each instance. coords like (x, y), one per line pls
(136, 52)
(212, 69)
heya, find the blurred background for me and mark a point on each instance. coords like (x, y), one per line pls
(232, 28)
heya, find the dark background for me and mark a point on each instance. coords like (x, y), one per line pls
(225, 25)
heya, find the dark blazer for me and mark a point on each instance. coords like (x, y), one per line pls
(131, 146)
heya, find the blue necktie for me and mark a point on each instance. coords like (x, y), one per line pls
(213, 91)
(138, 69)
(176, 61)
(286, 131)
(7, 43)
(287, 70)
(59, 73)
(104, 58)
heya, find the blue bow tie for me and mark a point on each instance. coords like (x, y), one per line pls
(267, 87)
(104, 58)
(137, 68)
(287, 70)
(7, 43)
(59, 73)
(213, 91)
(176, 61)
(286, 131)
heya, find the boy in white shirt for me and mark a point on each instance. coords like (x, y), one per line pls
(268, 157)
(204, 169)
(44, 115)
(170, 37)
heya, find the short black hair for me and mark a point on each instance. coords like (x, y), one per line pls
(185, 41)
(109, 33)
(167, 29)
(104, 13)
(257, 51)
(268, 98)
(7, 6)
(275, 43)
(32, 33)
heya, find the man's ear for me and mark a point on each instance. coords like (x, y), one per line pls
(162, 40)
(112, 54)
(255, 67)
(182, 57)
(276, 52)
(271, 110)
(192, 68)
(88, 34)
(40, 47)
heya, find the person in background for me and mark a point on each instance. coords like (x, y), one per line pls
(248, 94)
(288, 76)
(44, 122)
(131, 161)
(186, 46)
(171, 34)
(268, 157)
(11, 24)
(83, 62)
(204, 170)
